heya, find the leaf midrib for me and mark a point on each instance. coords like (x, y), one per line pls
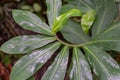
(23, 43)
(35, 23)
(88, 6)
(111, 28)
(99, 26)
(77, 61)
(60, 57)
(102, 65)
(54, 11)
(78, 34)
(85, 43)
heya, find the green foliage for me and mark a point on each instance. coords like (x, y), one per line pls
(61, 20)
(80, 68)
(87, 21)
(32, 62)
(87, 42)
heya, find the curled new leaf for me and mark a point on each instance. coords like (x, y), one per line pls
(87, 21)
(61, 20)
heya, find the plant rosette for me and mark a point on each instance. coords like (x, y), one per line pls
(88, 41)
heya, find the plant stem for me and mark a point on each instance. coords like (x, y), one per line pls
(71, 45)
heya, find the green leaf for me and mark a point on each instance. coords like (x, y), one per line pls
(102, 63)
(109, 39)
(66, 7)
(83, 5)
(87, 21)
(73, 33)
(80, 68)
(62, 19)
(26, 43)
(31, 22)
(104, 16)
(53, 8)
(58, 68)
(30, 63)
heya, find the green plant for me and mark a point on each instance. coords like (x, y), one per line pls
(87, 42)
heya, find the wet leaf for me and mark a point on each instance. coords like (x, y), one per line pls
(103, 65)
(26, 43)
(66, 7)
(30, 21)
(80, 68)
(53, 8)
(73, 33)
(30, 63)
(58, 68)
(83, 5)
(109, 39)
(106, 11)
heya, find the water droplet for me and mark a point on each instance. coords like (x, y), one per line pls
(63, 64)
(56, 76)
(31, 68)
(46, 41)
(10, 46)
(24, 37)
(23, 13)
(15, 14)
(33, 54)
(95, 71)
(42, 59)
(110, 61)
(34, 39)
(27, 23)
(22, 49)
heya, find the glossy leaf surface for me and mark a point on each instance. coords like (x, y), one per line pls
(53, 8)
(104, 16)
(29, 64)
(80, 68)
(73, 33)
(88, 45)
(62, 19)
(83, 5)
(102, 63)
(67, 7)
(58, 68)
(29, 21)
(26, 43)
(87, 21)
(110, 38)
